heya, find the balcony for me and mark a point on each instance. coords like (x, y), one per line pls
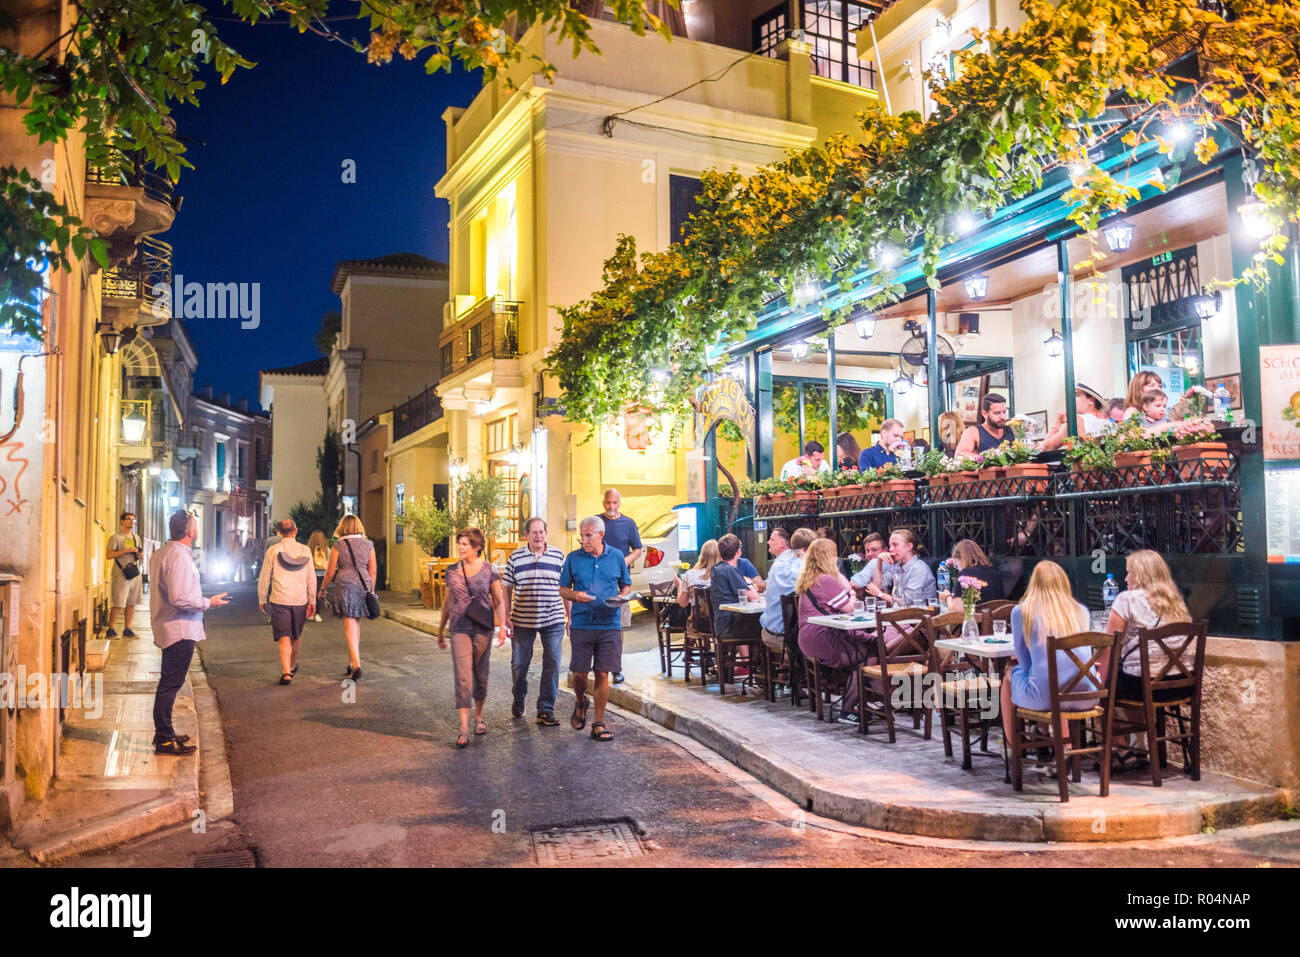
(184, 442)
(489, 328)
(417, 412)
(137, 293)
(126, 200)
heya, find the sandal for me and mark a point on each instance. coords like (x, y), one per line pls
(479, 726)
(286, 678)
(578, 723)
(462, 740)
(546, 719)
(602, 734)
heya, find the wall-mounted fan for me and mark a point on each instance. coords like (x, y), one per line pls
(914, 351)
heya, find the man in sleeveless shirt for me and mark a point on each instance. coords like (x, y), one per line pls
(991, 432)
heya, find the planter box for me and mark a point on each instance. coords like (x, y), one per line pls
(1217, 466)
(1034, 473)
(1139, 465)
(903, 491)
(994, 474)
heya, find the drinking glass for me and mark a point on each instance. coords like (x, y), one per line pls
(858, 608)
(999, 628)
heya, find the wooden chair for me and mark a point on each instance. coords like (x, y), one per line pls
(962, 684)
(793, 656)
(909, 661)
(1165, 692)
(727, 653)
(1086, 685)
(665, 630)
(698, 647)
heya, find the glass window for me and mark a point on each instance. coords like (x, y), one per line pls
(769, 31)
(473, 341)
(683, 200)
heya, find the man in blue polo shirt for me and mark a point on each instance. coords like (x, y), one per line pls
(592, 577)
(624, 537)
(883, 452)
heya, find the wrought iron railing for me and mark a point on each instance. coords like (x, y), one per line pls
(125, 168)
(263, 470)
(146, 278)
(489, 328)
(416, 412)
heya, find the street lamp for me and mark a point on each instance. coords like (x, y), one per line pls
(799, 349)
(1254, 216)
(1207, 305)
(1119, 235)
(977, 286)
(866, 325)
(133, 426)
(1054, 344)
(902, 385)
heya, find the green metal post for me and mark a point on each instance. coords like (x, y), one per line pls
(932, 362)
(1067, 334)
(831, 400)
(763, 418)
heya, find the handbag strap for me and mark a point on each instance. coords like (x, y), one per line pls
(353, 556)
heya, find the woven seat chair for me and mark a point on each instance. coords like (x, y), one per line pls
(665, 630)
(698, 648)
(962, 685)
(1085, 685)
(904, 664)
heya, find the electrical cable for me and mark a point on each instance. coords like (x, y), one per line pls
(607, 126)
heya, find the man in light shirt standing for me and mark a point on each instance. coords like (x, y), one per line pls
(287, 585)
(176, 605)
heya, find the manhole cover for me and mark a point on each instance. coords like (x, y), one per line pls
(596, 840)
(242, 858)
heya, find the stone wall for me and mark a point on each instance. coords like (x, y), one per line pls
(1251, 700)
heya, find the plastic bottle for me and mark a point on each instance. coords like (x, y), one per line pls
(943, 579)
(905, 458)
(1109, 591)
(1222, 401)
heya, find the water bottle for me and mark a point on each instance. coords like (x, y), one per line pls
(1222, 400)
(1109, 591)
(943, 579)
(905, 458)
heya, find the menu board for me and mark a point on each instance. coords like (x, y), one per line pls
(1279, 369)
(1282, 487)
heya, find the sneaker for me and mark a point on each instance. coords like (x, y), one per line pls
(517, 709)
(111, 633)
(174, 747)
(128, 633)
(618, 677)
(316, 618)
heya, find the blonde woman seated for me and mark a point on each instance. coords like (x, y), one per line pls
(1048, 609)
(1151, 601)
(822, 590)
(699, 575)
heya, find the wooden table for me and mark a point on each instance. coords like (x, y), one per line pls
(998, 653)
(844, 622)
(745, 607)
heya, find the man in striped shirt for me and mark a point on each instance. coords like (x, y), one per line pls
(532, 581)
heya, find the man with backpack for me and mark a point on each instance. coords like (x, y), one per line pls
(287, 586)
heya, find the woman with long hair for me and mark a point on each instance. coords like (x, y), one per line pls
(352, 562)
(951, 426)
(847, 451)
(474, 596)
(970, 560)
(698, 576)
(822, 590)
(319, 546)
(1048, 609)
(1151, 601)
(1139, 384)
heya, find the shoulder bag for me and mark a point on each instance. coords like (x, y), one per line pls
(372, 600)
(476, 611)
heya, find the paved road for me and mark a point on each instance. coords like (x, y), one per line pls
(320, 780)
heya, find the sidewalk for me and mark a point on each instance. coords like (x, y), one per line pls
(110, 786)
(910, 787)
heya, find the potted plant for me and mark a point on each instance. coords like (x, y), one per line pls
(428, 525)
(1090, 460)
(806, 487)
(967, 469)
(893, 482)
(845, 482)
(1020, 464)
(931, 466)
(1133, 448)
(1196, 403)
(1194, 440)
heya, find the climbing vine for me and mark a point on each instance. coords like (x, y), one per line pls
(1055, 91)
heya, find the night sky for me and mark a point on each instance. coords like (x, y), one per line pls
(266, 202)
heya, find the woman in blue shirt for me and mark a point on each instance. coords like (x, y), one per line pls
(1048, 608)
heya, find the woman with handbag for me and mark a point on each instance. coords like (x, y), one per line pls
(352, 563)
(476, 607)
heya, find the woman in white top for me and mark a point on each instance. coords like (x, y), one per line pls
(699, 576)
(1151, 601)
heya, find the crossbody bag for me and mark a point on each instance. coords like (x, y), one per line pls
(476, 611)
(372, 600)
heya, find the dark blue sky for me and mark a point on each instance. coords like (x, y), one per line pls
(266, 202)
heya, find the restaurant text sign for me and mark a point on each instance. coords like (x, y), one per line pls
(1279, 368)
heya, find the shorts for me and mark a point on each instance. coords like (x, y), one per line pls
(287, 621)
(127, 591)
(595, 650)
(774, 641)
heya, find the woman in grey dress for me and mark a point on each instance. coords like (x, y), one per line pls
(352, 568)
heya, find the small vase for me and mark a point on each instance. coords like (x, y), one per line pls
(970, 629)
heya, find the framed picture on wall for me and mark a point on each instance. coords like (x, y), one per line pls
(968, 401)
(909, 435)
(1035, 426)
(1230, 382)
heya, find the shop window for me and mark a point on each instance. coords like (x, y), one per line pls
(830, 26)
(769, 30)
(1162, 327)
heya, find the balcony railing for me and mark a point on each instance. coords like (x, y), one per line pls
(264, 470)
(417, 412)
(489, 328)
(129, 169)
(146, 279)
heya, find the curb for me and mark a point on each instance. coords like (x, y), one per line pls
(1063, 823)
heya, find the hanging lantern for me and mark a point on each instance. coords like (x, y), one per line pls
(1054, 344)
(1119, 235)
(902, 385)
(866, 326)
(799, 349)
(977, 286)
(1207, 305)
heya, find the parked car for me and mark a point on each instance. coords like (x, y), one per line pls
(658, 561)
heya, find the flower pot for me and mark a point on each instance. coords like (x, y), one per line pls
(1087, 480)
(1138, 464)
(901, 491)
(1217, 464)
(1034, 474)
(993, 474)
(806, 495)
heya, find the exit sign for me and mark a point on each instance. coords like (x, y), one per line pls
(1163, 257)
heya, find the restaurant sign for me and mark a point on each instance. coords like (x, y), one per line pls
(1279, 368)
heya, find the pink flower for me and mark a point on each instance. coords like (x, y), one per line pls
(968, 581)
